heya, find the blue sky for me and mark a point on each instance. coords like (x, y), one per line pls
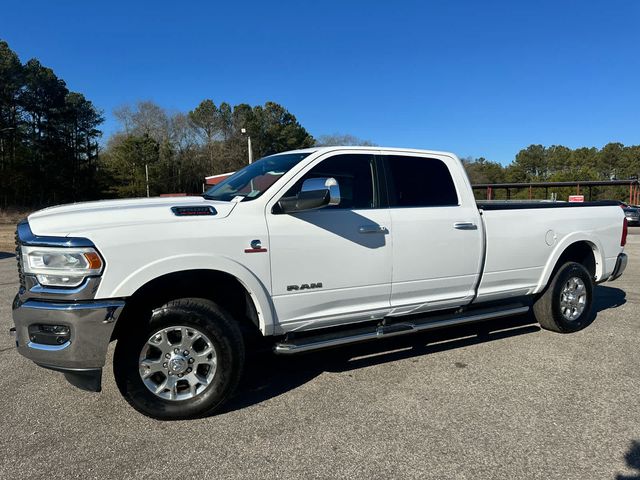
(480, 78)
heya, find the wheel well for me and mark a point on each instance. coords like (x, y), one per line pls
(222, 288)
(579, 252)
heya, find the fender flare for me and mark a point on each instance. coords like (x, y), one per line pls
(562, 246)
(179, 263)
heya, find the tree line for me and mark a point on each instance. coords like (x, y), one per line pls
(179, 149)
(558, 163)
(48, 136)
(51, 150)
(51, 147)
(176, 151)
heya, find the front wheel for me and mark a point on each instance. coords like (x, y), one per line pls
(184, 363)
(566, 304)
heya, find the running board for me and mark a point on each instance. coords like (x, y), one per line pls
(364, 334)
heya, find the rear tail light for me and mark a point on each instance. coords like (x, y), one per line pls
(625, 230)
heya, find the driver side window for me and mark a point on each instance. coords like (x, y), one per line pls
(355, 176)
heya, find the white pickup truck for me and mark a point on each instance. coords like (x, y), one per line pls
(310, 248)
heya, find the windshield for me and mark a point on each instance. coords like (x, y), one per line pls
(253, 180)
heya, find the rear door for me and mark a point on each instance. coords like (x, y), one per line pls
(437, 235)
(333, 264)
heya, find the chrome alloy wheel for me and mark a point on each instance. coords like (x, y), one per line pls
(573, 298)
(177, 363)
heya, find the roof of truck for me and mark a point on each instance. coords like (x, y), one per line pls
(368, 148)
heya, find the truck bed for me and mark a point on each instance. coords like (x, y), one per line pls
(518, 205)
(523, 243)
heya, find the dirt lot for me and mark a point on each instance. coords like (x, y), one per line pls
(8, 221)
(7, 242)
(505, 400)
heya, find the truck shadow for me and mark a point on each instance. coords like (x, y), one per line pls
(632, 458)
(4, 255)
(268, 375)
(345, 224)
(608, 297)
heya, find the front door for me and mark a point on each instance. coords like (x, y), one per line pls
(333, 264)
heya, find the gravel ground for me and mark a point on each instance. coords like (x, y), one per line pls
(506, 400)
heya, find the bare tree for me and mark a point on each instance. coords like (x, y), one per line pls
(144, 118)
(336, 139)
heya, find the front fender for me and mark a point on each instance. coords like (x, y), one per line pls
(257, 291)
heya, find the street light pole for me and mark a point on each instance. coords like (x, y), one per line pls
(249, 148)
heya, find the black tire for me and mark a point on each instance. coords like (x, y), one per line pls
(547, 308)
(209, 319)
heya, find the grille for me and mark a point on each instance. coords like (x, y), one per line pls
(19, 260)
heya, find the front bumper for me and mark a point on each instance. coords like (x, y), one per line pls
(91, 325)
(621, 264)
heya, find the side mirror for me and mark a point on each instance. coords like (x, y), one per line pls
(315, 193)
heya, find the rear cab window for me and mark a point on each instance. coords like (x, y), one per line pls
(419, 182)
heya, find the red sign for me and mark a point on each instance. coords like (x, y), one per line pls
(576, 198)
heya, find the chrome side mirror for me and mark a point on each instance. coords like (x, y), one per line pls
(323, 184)
(315, 193)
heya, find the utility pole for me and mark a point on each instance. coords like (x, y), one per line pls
(249, 148)
(146, 171)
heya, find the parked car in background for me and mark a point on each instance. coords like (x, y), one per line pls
(632, 212)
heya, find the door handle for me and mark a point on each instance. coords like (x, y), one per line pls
(372, 229)
(465, 226)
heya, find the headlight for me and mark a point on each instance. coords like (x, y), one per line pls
(61, 267)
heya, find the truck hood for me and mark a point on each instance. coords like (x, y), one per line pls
(67, 220)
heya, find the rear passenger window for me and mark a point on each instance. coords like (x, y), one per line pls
(419, 182)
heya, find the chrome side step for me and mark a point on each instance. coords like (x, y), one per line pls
(363, 334)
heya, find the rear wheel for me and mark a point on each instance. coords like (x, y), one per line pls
(184, 363)
(566, 304)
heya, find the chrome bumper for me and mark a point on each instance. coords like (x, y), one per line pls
(91, 325)
(621, 264)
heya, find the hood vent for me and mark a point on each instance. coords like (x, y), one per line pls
(193, 211)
